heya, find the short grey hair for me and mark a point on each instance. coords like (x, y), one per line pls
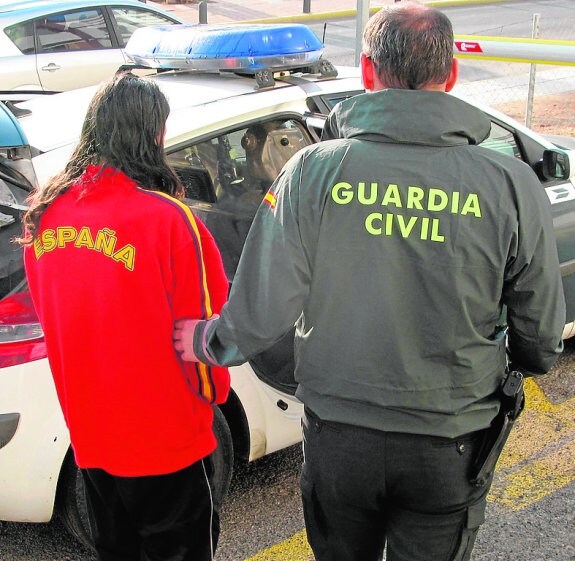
(410, 45)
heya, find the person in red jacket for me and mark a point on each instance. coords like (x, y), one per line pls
(108, 247)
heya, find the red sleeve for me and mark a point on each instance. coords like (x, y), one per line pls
(200, 283)
(200, 289)
(216, 277)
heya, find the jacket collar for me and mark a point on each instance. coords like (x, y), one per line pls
(100, 178)
(413, 117)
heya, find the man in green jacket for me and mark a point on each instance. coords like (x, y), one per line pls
(393, 248)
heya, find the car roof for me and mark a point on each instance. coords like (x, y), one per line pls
(202, 105)
(12, 12)
(198, 101)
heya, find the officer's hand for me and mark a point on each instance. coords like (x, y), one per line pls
(184, 338)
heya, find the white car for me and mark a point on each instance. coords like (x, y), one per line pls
(228, 135)
(49, 46)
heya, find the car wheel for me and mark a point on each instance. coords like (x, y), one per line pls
(222, 458)
(71, 500)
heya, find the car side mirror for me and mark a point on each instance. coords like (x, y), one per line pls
(555, 165)
(197, 184)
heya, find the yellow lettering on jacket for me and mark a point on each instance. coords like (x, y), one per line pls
(126, 255)
(362, 195)
(391, 196)
(342, 193)
(38, 249)
(438, 200)
(374, 224)
(65, 234)
(434, 200)
(48, 240)
(471, 206)
(84, 238)
(104, 241)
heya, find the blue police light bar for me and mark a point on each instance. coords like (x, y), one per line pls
(245, 48)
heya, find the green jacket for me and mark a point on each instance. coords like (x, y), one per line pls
(393, 249)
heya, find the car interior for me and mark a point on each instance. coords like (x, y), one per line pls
(225, 179)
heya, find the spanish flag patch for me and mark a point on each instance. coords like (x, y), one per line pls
(270, 199)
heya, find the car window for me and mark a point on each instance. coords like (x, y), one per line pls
(332, 100)
(226, 178)
(502, 140)
(130, 19)
(12, 195)
(22, 35)
(324, 103)
(73, 31)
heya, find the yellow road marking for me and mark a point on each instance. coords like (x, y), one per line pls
(539, 457)
(295, 548)
(541, 425)
(538, 479)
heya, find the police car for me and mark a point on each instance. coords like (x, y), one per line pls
(237, 115)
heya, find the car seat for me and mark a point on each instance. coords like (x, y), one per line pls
(268, 147)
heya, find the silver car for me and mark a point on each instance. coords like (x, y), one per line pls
(49, 46)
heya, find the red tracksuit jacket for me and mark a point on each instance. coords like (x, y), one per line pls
(112, 268)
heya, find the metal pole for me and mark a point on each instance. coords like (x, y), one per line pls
(532, 72)
(360, 20)
(307, 6)
(203, 12)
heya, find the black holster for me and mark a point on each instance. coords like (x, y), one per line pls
(512, 402)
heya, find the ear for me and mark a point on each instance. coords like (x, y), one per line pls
(453, 75)
(249, 142)
(367, 72)
(161, 137)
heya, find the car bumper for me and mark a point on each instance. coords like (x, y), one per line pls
(33, 442)
(8, 425)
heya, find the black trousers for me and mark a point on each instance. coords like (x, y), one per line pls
(154, 518)
(364, 489)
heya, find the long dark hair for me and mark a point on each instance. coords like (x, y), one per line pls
(124, 129)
